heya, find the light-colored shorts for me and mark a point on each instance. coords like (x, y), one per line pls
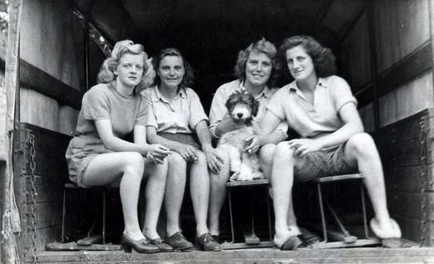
(189, 139)
(322, 163)
(81, 150)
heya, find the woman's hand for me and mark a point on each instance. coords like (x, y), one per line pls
(303, 146)
(253, 143)
(157, 153)
(187, 152)
(215, 162)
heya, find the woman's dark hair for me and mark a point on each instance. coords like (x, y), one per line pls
(322, 57)
(261, 46)
(188, 79)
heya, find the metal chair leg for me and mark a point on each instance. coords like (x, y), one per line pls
(365, 221)
(103, 215)
(62, 235)
(269, 215)
(324, 227)
(231, 217)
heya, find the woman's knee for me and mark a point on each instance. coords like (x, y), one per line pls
(201, 158)
(283, 151)
(176, 160)
(134, 163)
(266, 153)
(177, 170)
(361, 143)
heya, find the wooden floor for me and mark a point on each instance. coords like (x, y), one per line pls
(257, 256)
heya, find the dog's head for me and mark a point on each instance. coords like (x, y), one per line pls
(242, 107)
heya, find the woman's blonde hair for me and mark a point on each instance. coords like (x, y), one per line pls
(106, 73)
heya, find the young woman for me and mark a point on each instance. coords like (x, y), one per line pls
(321, 108)
(176, 119)
(98, 155)
(255, 72)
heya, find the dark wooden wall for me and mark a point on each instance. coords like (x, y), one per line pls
(47, 176)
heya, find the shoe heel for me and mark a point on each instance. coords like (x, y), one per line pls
(127, 248)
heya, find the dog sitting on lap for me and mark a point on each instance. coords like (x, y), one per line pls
(242, 108)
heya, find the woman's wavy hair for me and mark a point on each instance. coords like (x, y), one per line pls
(106, 73)
(261, 46)
(322, 57)
(188, 79)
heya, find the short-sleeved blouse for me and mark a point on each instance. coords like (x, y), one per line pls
(180, 115)
(321, 118)
(102, 102)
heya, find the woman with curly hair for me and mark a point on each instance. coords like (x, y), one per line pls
(321, 108)
(176, 119)
(98, 155)
(255, 70)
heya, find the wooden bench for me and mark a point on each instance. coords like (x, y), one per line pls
(250, 237)
(342, 238)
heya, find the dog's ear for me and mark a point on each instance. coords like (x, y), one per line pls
(232, 100)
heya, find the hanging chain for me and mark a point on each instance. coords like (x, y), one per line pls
(33, 194)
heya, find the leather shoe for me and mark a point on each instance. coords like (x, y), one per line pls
(179, 242)
(162, 246)
(141, 246)
(207, 243)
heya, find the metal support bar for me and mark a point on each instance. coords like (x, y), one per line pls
(230, 216)
(324, 227)
(365, 221)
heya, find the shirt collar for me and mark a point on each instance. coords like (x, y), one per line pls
(322, 82)
(266, 92)
(159, 97)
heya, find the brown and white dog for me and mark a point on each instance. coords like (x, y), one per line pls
(242, 108)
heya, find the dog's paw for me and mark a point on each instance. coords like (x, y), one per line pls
(258, 175)
(235, 176)
(245, 177)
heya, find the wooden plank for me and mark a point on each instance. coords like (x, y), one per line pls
(409, 179)
(413, 229)
(405, 70)
(50, 148)
(47, 214)
(406, 153)
(412, 205)
(49, 189)
(259, 256)
(43, 236)
(42, 82)
(10, 222)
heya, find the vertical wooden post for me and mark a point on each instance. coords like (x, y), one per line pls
(10, 216)
(429, 238)
(372, 48)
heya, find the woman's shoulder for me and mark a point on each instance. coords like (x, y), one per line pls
(149, 93)
(335, 79)
(189, 92)
(97, 90)
(229, 87)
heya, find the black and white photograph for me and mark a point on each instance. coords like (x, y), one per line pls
(217, 131)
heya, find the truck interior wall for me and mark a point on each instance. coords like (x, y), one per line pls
(401, 73)
(59, 55)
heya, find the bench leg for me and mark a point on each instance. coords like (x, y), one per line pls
(230, 216)
(323, 220)
(365, 220)
(62, 235)
(103, 215)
